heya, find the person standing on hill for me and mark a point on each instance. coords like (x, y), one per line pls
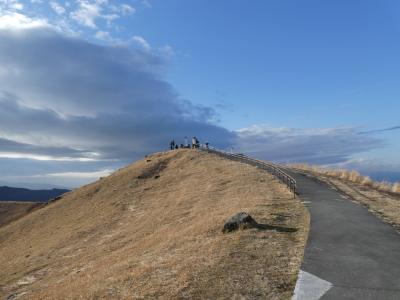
(172, 145)
(194, 140)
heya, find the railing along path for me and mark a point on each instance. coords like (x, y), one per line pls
(267, 166)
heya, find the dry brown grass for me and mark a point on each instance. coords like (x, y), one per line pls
(396, 188)
(351, 176)
(134, 235)
(381, 198)
(11, 210)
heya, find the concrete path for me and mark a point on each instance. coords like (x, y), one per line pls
(350, 253)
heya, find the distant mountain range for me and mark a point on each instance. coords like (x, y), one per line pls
(25, 195)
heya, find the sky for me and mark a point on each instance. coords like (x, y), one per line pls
(89, 86)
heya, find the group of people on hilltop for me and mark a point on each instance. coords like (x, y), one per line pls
(195, 144)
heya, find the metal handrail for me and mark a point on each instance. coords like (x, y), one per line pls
(267, 166)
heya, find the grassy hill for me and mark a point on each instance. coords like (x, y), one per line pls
(11, 211)
(153, 230)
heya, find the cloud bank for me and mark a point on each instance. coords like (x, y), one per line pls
(320, 146)
(63, 92)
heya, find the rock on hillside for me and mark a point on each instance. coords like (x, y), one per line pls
(153, 230)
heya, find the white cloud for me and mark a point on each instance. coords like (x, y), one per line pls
(17, 21)
(69, 179)
(11, 4)
(80, 175)
(88, 12)
(43, 157)
(367, 165)
(57, 7)
(141, 42)
(167, 51)
(127, 9)
(73, 19)
(104, 36)
(316, 145)
(146, 3)
(15, 147)
(18, 6)
(110, 18)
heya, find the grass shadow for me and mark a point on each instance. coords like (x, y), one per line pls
(260, 226)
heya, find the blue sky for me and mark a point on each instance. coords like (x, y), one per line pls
(89, 86)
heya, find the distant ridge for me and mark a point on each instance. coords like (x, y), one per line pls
(25, 195)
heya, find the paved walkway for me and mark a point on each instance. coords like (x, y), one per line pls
(350, 253)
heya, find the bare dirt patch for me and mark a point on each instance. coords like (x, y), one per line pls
(154, 230)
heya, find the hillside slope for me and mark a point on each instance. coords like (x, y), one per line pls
(11, 211)
(153, 230)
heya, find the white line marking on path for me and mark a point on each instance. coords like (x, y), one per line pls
(310, 287)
